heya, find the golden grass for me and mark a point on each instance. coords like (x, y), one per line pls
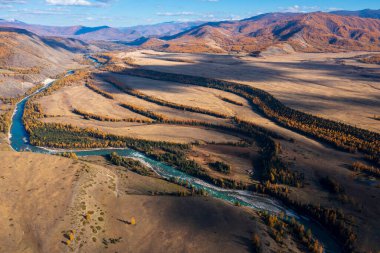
(314, 83)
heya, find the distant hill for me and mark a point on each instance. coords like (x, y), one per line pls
(367, 13)
(311, 32)
(23, 49)
(271, 32)
(27, 59)
(104, 32)
(162, 29)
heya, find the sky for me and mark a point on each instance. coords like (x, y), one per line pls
(123, 13)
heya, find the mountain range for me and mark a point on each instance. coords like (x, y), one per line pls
(366, 13)
(104, 32)
(311, 32)
(280, 32)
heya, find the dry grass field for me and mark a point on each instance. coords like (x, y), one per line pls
(64, 101)
(43, 198)
(204, 98)
(334, 86)
(168, 112)
(321, 84)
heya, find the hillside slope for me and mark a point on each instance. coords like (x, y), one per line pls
(312, 32)
(44, 197)
(26, 58)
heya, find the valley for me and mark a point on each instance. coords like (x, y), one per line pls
(177, 145)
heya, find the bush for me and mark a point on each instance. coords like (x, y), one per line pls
(220, 167)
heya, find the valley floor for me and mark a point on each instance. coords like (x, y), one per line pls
(42, 197)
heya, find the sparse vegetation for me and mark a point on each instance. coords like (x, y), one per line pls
(130, 164)
(368, 170)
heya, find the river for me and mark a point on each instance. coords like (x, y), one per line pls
(19, 140)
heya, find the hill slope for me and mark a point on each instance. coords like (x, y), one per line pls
(312, 32)
(26, 58)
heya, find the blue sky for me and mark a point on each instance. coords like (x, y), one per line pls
(121, 13)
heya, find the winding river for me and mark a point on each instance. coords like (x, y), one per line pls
(19, 140)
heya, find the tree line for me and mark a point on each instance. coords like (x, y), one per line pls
(87, 115)
(158, 101)
(366, 169)
(230, 101)
(340, 135)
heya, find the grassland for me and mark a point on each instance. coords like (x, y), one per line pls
(296, 154)
(287, 79)
(47, 199)
(329, 85)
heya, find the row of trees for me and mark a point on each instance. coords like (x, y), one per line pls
(20, 71)
(99, 91)
(220, 167)
(143, 111)
(158, 101)
(230, 101)
(87, 115)
(369, 170)
(338, 134)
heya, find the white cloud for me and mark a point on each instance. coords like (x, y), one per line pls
(12, 2)
(77, 2)
(298, 8)
(175, 14)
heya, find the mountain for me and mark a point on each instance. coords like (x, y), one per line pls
(28, 58)
(104, 32)
(367, 13)
(162, 29)
(311, 32)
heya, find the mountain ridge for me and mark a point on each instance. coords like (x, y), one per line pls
(310, 32)
(104, 32)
